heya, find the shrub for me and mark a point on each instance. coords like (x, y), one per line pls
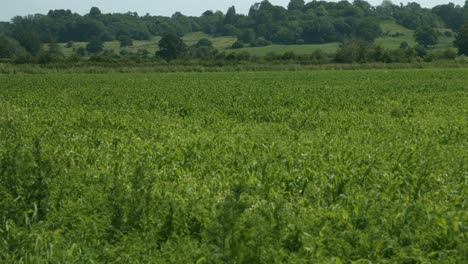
(81, 51)
(238, 45)
(125, 41)
(95, 46)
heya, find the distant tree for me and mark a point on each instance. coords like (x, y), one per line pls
(94, 12)
(53, 53)
(177, 15)
(144, 53)
(171, 47)
(285, 36)
(204, 42)
(426, 36)
(246, 35)
(53, 48)
(106, 36)
(229, 30)
(260, 42)
(386, 3)
(465, 10)
(208, 13)
(413, 16)
(9, 47)
(296, 5)
(353, 11)
(364, 5)
(59, 13)
(230, 17)
(95, 45)
(81, 51)
(461, 40)
(404, 45)
(386, 9)
(451, 15)
(288, 55)
(82, 29)
(354, 50)
(321, 11)
(420, 50)
(203, 49)
(239, 44)
(125, 41)
(30, 41)
(368, 30)
(318, 31)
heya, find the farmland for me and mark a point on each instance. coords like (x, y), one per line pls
(272, 167)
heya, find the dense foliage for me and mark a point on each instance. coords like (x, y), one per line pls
(461, 41)
(313, 22)
(321, 167)
(426, 36)
(171, 47)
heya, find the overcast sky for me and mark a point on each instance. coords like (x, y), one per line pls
(11, 8)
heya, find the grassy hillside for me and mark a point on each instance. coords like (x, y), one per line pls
(390, 28)
(221, 43)
(388, 41)
(444, 41)
(297, 49)
(151, 45)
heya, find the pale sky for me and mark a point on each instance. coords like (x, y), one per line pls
(11, 8)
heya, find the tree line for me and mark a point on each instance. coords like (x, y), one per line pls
(313, 22)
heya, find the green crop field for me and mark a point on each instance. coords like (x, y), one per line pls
(271, 167)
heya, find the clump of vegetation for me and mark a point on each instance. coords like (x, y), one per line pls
(171, 47)
(238, 44)
(426, 36)
(125, 41)
(461, 41)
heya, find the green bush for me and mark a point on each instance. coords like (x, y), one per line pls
(238, 45)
